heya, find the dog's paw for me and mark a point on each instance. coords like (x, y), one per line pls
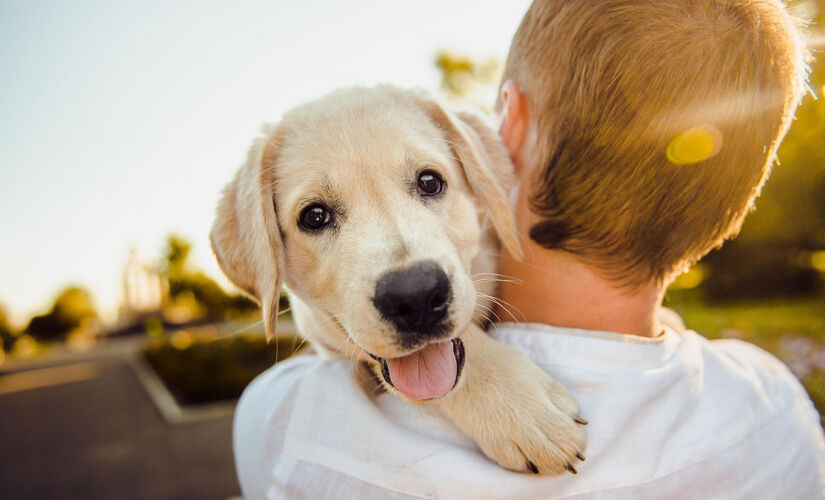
(536, 428)
(518, 416)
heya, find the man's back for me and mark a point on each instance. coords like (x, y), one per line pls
(675, 416)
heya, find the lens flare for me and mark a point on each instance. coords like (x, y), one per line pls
(695, 145)
(181, 340)
(818, 260)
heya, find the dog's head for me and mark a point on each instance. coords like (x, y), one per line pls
(368, 204)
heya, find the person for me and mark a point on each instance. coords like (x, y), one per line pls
(641, 132)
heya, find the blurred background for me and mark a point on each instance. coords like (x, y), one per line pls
(123, 347)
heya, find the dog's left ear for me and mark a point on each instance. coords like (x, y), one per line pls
(486, 165)
(245, 236)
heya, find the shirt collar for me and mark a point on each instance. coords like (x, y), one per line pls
(587, 349)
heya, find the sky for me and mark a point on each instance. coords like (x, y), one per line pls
(122, 120)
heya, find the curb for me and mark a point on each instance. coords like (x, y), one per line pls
(165, 402)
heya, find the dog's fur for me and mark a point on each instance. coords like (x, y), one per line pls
(359, 151)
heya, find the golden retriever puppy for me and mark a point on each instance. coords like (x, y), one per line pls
(375, 209)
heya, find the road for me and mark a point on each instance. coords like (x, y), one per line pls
(88, 430)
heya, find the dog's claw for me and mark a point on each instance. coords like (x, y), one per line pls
(580, 457)
(571, 469)
(532, 467)
(579, 420)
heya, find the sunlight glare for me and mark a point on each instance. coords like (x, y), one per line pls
(181, 340)
(690, 279)
(695, 145)
(818, 261)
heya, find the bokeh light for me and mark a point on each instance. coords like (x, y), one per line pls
(818, 260)
(695, 145)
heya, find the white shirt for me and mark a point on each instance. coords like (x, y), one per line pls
(673, 417)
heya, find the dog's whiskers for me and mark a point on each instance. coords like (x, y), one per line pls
(504, 305)
(494, 274)
(242, 329)
(489, 311)
(296, 349)
(378, 386)
(495, 277)
(495, 280)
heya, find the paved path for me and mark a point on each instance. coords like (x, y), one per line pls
(88, 430)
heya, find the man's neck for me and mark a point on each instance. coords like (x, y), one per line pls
(554, 288)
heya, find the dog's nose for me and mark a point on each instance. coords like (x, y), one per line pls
(414, 300)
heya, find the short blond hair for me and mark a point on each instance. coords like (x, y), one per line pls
(657, 120)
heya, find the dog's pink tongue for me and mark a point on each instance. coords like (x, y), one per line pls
(425, 374)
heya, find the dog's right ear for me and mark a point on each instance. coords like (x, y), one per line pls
(486, 166)
(245, 235)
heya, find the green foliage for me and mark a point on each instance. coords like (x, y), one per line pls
(760, 270)
(70, 310)
(177, 253)
(213, 370)
(217, 303)
(761, 322)
(6, 337)
(185, 283)
(461, 76)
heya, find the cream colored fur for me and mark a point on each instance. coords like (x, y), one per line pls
(361, 150)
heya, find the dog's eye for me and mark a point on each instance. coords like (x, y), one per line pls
(430, 183)
(314, 217)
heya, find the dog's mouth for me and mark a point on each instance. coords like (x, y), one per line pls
(427, 373)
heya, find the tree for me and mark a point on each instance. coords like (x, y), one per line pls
(72, 308)
(466, 80)
(6, 337)
(187, 284)
(177, 253)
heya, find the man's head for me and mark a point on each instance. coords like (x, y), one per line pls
(644, 129)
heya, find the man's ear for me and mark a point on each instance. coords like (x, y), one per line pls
(515, 118)
(486, 166)
(245, 236)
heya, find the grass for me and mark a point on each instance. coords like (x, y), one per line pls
(793, 330)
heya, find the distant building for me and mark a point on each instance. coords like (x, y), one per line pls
(143, 289)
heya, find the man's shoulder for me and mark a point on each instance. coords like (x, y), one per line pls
(263, 416)
(750, 366)
(735, 358)
(767, 398)
(275, 391)
(284, 376)
(745, 387)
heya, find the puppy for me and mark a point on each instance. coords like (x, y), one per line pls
(381, 213)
